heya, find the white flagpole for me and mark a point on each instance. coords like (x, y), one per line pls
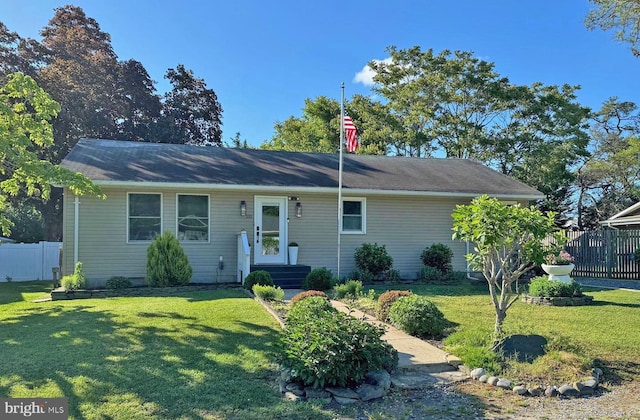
(340, 173)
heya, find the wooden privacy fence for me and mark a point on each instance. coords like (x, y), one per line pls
(20, 262)
(605, 253)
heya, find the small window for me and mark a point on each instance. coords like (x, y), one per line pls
(354, 215)
(193, 217)
(145, 216)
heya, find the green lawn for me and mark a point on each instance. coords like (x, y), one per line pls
(607, 331)
(200, 355)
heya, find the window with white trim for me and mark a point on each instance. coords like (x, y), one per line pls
(354, 215)
(193, 217)
(144, 216)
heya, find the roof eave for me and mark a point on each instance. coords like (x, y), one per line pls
(299, 189)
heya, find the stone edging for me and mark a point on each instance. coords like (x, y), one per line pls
(61, 294)
(558, 301)
(586, 387)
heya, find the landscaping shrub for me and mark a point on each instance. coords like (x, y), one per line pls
(318, 279)
(393, 275)
(268, 292)
(75, 280)
(167, 263)
(373, 258)
(385, 301)
(329, 348)
(351, 289)
(417, 315)
(430, 274)
(118, 282)
(543, 287)
(309, 293)
(309, 307)
(438, 256)
(258, 277)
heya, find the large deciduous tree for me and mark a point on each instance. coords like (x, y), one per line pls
(608, 180)
(191, 112)
(623, 16)
(25, 112)
(101, 97)
(508, 241)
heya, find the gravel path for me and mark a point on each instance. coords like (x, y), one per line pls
(609, 283)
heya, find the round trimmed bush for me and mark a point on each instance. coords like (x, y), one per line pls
(373, 258)
(318, 279)
(309, 293)
(438, 256)
(310, 307)
(417, 315)
(351, 289)
(258, 277)
(387, 299)
(324, 347)
(268, 292)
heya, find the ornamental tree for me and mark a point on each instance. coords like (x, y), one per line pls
(508, 241)
(25, 111)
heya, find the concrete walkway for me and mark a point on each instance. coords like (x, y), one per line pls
(419, 364)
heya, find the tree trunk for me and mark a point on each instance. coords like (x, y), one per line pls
(497, 330)
(52, 214)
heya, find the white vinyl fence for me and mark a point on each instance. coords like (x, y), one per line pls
(21, 262)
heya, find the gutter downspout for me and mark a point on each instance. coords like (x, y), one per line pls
(469, 276)
(76, 208)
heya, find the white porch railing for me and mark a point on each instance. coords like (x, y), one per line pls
(244, 256)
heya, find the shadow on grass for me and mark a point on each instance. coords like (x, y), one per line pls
(13, 292)
(597, 302)
(618, 372)
(111, 367)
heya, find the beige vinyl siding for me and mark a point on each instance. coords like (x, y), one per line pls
(103, 247)
(405, 224)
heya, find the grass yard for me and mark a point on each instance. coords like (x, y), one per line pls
(200, 355)
(606, 331)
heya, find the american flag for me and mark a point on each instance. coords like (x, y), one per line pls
(352, 134)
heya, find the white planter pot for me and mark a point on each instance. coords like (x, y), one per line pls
(559, 272)
(293, 255)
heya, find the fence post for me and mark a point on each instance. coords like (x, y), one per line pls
(609, 242)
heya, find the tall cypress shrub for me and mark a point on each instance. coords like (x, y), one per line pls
(167, 264)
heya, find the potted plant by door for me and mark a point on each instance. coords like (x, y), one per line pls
(558, 266)
(293, 253)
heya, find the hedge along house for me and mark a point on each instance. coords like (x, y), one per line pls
(209, 197)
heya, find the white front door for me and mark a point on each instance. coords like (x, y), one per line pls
(270, 230)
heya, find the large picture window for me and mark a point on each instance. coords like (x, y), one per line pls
(193, 217)
(144, 216)
(354, 215)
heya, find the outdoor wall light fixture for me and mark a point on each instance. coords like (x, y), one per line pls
(298, 209)
(243, 208)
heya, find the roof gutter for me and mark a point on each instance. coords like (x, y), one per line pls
(294, 189)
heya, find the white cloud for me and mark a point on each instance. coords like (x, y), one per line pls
(365, 76)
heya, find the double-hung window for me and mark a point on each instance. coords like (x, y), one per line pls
(193, 217)
(144, 216)
(354, 215)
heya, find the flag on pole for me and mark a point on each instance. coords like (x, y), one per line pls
(352, 134)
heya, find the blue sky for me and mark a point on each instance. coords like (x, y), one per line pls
(264, 58)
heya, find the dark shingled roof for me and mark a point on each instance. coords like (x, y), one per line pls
(111, 160)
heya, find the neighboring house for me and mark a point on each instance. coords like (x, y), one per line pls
(628, 218)
(207, 195)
